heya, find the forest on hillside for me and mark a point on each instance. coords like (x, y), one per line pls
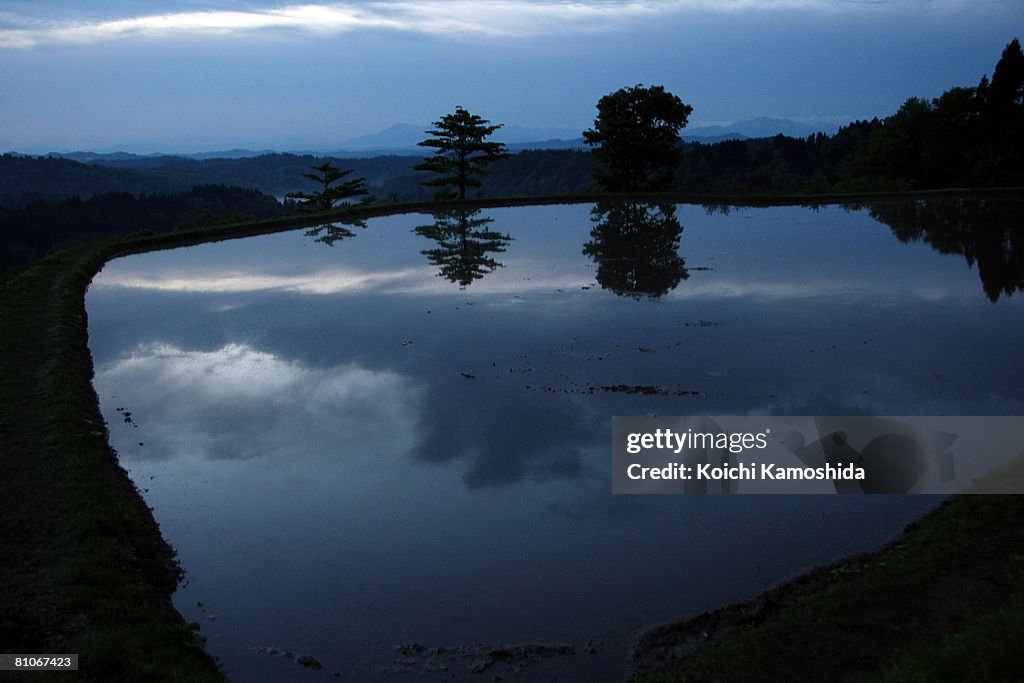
(38, 227)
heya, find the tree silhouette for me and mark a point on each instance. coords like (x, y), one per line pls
(636, 138)
(1006, 90)
(1002, 109)
(462, 153)
(327, 174)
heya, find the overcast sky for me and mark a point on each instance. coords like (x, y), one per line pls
(195, 75)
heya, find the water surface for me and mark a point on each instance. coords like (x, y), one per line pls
(400, 432)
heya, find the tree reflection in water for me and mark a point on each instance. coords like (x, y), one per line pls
(636, 248)
(329, 233)
(987, 231)
(464, 245)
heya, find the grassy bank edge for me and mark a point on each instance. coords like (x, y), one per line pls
(83, 568)
(916, 610)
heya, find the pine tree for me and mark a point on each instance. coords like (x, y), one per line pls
(1007, 88)
(1001, 102)
(462, 153)
(327, 174)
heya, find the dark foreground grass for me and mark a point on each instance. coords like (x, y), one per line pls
(84, 570)
(987, 649)
(942, 601)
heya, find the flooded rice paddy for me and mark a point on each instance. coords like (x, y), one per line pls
(384, 449)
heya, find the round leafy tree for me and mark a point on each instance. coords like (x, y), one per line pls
(636, 138)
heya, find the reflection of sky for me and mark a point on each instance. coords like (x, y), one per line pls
(799, 254)
(237, 402)
(402, 455)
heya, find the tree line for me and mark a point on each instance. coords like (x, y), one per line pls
(34, 229)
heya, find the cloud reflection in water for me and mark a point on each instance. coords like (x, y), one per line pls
(238, 402)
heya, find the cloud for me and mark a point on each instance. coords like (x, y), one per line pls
(451, 18)
(458, 17)
(240, 403)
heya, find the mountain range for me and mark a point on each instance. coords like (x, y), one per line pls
(402, 137)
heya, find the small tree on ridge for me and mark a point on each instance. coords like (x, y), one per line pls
(327, 174)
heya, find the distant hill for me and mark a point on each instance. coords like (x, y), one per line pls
(534, 172)
(32, 230)
(550, 170)
(711, 139)
(575, 143)
(99, 158)
(24, 179)
(273, 174)
(760, 127)
(403, 138)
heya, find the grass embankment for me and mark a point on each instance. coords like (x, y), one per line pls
(945, 598)
(83, 568)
